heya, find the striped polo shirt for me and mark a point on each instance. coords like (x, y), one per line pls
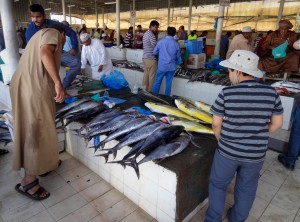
(246, 109)
(149, 42)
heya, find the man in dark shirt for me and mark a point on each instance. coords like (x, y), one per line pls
(69, 58)
(224, 45)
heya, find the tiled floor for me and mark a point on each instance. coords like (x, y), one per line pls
(78, 195)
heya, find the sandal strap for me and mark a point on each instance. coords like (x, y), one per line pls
(38, 193)
(31, 185)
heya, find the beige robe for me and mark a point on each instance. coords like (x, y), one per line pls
(238, 42)
(32, 93)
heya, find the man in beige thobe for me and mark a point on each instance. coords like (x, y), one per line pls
(241, 41)
(34, 88)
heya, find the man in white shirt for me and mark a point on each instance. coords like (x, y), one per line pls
(95, 52)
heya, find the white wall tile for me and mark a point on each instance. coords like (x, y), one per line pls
(147, 206)
(164, 197)
(163, 217)
(118, 184)
(131, 194)
(131, 180)
(148, 190)
(149, 170)
(167, 179)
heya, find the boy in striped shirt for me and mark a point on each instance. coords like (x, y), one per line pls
(243, 116)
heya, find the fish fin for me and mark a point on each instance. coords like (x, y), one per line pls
(114, 152)
(192, 138)
(105, 155)
(121, 162)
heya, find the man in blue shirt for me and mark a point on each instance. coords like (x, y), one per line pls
(168, 50)
(69, 58)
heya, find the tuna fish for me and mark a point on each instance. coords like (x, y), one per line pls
(66, 108)
(130, 126)
(171, 149)
(134, 137)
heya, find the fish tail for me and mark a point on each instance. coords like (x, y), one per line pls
(105, 155)
(132, 162)
(121, 162)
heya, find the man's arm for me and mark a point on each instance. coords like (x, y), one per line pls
(276, 123)
(48, 59)
(217, 125)
(156, 50)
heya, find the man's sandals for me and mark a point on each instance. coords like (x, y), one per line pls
(35, 196)
(46, 174)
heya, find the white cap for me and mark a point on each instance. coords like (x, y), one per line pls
(247, 29)
(244, 61)
(84, 37)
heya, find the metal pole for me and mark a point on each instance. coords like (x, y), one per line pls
(169, 5)
(103, 24)
(64, 9)
(190, 16)
(70, 15)
(280, 11)
(219, 30)
(96, 11)
(10, 34)
(133, 9)
(118, 21)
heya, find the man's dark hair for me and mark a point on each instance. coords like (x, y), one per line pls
(154, 23)
(269, 32)
(98, 30)
(139, 26)
(182, 27)
(171, 31)
(130, 29)
(228, 34)
(58, 27)
(37, 8)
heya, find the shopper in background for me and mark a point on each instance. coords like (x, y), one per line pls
(259, 49)
(202, 38)
(129, 38)
(34, 89)
(241, 41)
(139, 38)
(242, 122)
(182, 33)
(149, 59)
(168, 52)
(278, 53)
(193, 36)
(224, 45)
(95, 52)
(97, 34)
(68, 59)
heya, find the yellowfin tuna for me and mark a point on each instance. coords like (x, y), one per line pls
(193, 111)
(190, 125)
(168, 110)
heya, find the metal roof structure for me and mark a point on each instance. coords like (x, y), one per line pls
(240, 12)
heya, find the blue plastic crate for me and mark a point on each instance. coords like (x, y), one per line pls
(194, 47)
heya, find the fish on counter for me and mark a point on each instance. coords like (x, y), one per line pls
(172, 148)
(203, 106)
(5, 137)
(150, 97)
(135, 136)
(193, 111)
(290, 86)
(168, 110)
(70, 106)
(157, 138)
(189, 125)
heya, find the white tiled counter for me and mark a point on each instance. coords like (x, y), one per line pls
(159, 191)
